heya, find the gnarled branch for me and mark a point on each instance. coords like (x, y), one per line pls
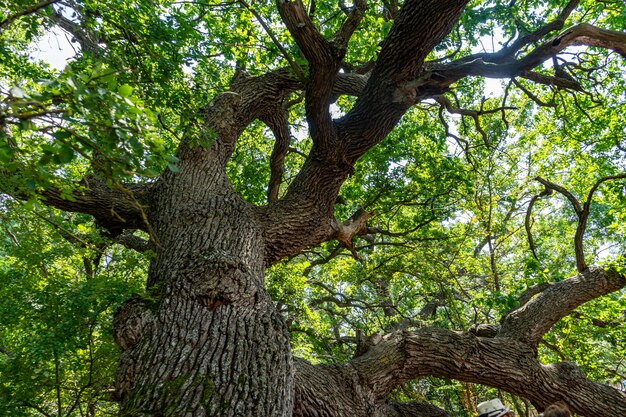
(535, 318)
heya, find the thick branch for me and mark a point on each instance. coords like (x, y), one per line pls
(415, 409)
(115, 209)
(420, 25)
(534, 319)
(497, 362)
(438, 77)
(324, 59)
(342, 37)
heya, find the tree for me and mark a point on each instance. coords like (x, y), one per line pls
(202, 79)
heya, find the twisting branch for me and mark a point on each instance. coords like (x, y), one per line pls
(438, 77)
(497, 362)
(584, 216)
(279, 124)
(474, 114)
(324, 59)
(552, 186)
(581, 265)
(582, 212)
(528, 219)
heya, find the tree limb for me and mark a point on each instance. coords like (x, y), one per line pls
(415, 409)
(527, 219)
(502, 363)
(324, 59)
(129, 240)
(278, 122)
(115, 209)
(535, 318)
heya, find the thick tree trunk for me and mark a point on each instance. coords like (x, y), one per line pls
(211, 343)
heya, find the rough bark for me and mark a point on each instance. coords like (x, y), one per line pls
(210, 343)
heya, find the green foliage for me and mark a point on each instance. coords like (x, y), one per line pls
(57, 354)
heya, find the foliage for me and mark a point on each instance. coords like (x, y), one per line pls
(57, 353)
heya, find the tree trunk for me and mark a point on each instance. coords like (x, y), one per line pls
(211, 343)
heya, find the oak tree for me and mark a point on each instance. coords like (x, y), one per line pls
(246, 146)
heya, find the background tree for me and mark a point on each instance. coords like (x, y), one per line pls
(331, 180)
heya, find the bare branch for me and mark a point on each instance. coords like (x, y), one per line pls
(527, 220)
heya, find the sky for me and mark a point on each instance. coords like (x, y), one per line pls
(54, 48)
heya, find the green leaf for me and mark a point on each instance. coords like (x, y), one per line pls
(66, 155)
(125, 90)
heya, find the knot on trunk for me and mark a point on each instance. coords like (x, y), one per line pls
(130, 321)
(485, 330)
(216, 278)
(345, 231)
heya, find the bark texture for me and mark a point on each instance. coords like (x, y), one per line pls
(212, 344)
